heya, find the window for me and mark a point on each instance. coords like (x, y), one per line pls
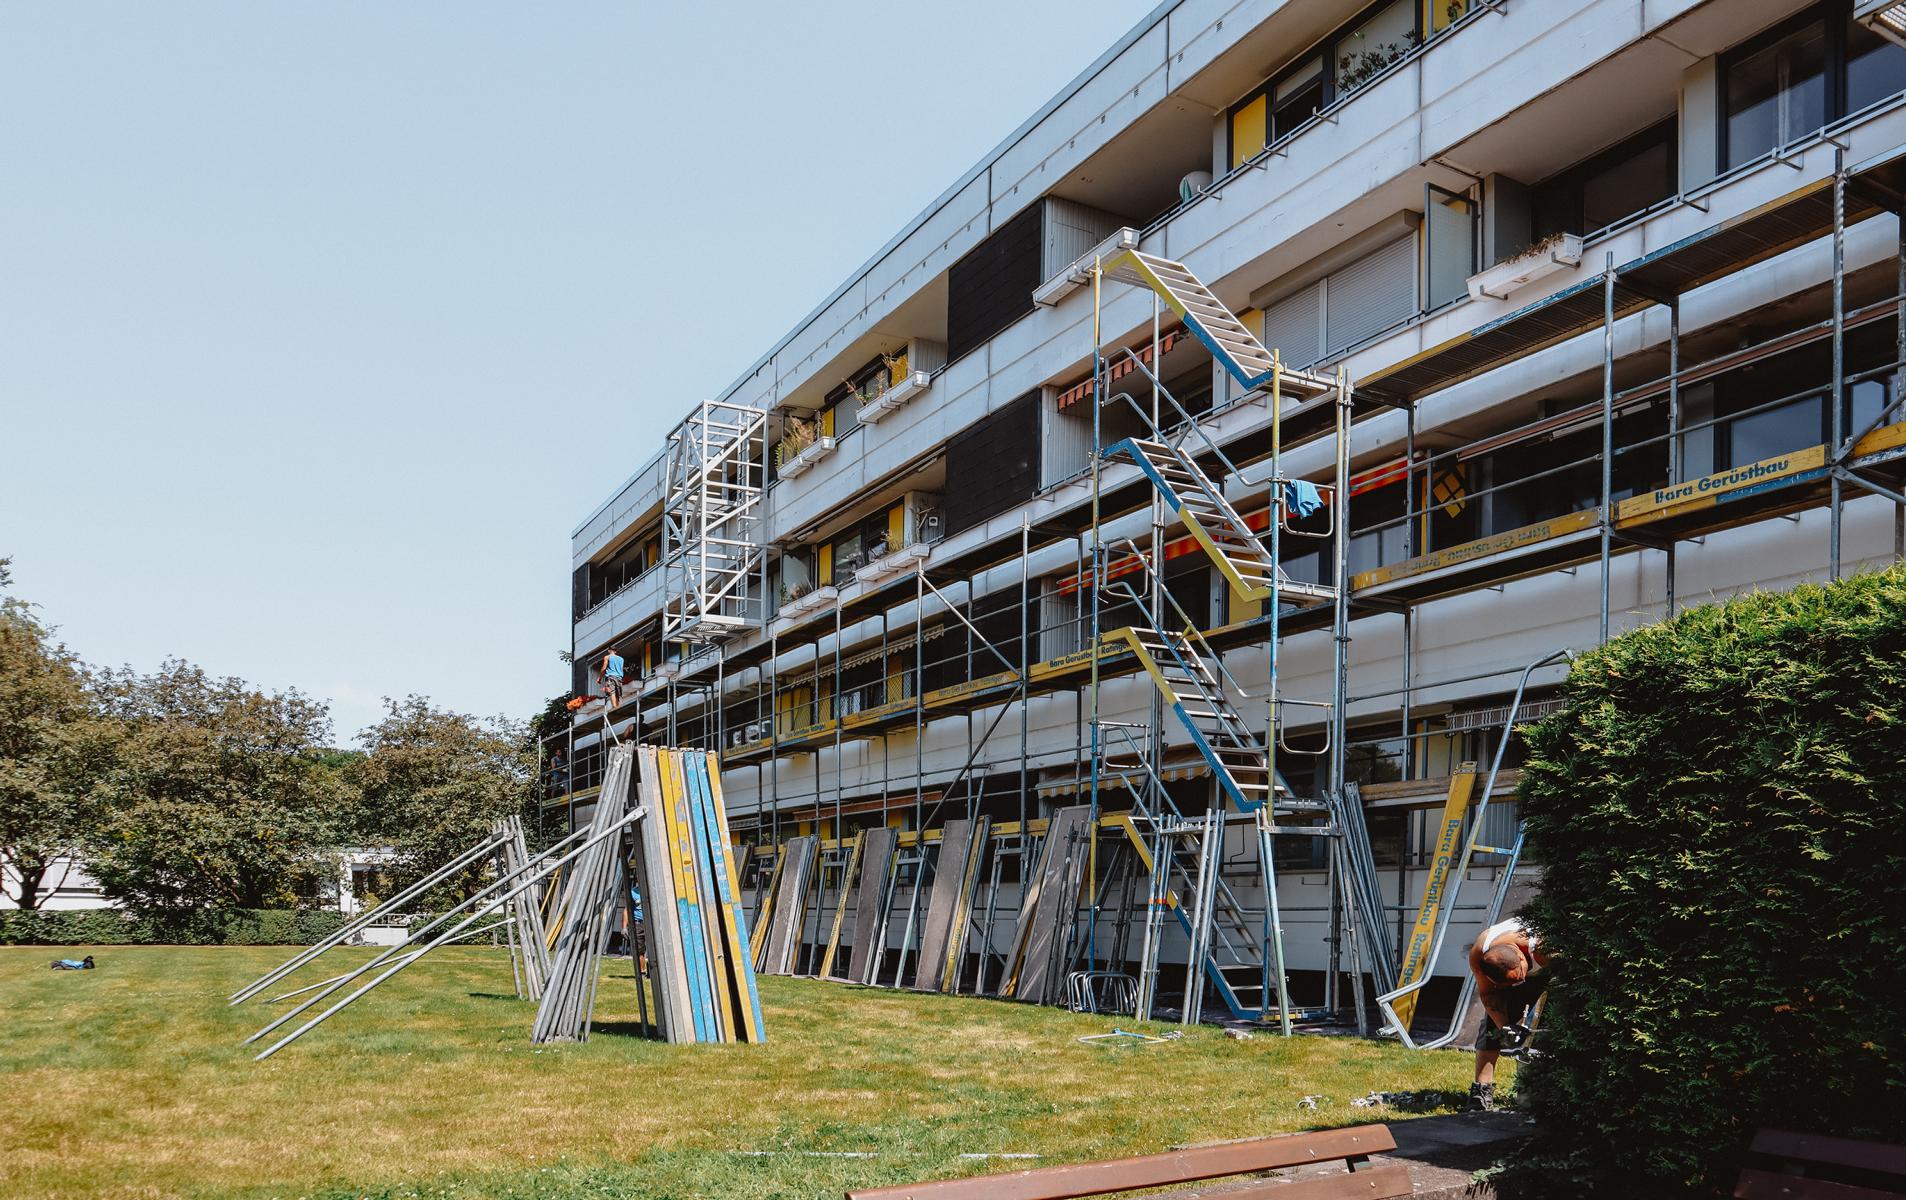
(1340, 64)
(1451, 236)
(1777, 93)
(1875, 67)
(1628, 177)
(866, 540)
(1801, 75)
(1298, 98)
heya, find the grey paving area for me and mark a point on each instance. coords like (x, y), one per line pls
(1441, 1153)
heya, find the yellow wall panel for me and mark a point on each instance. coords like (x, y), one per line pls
(1247, 131)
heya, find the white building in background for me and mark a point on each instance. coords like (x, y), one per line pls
(66, 886)
(881, 624)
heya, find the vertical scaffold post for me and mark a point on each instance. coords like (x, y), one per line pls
(1339, 671)
(1674, 426)
(1098, 551)
(1608, 430)
(1836, 420)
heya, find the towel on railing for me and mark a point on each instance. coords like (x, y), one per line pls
(1301, 498)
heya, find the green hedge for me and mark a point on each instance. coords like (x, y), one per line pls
(114, 927)
(1720, 811)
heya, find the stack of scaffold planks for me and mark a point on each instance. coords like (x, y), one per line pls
(700, 967)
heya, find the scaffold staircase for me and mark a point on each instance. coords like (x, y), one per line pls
(1192, 680)
(1184, 871)
(1194, 498)
(1204, 315)
(712, 522)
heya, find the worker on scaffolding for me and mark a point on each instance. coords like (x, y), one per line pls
(1511, 971)
(611, 669)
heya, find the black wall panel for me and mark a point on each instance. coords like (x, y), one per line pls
(992, 286)
(994, 465)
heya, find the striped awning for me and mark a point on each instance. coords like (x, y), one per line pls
(1121, 367)
(1115, 780)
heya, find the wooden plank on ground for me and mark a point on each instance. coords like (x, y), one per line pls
(840, 907)
(1756, 1184)
(1157, 1170)
(740, 960)
(1837, 1151)
(661, 907)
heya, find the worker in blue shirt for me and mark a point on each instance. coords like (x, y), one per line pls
(612, 677)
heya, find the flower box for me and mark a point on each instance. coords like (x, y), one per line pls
(911, 385)
(820, 448)
(1558, 253)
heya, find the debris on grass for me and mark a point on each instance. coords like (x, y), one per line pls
(1123, 1037)
(1423, 1100)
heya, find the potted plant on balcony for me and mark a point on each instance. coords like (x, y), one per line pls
(1363, 62)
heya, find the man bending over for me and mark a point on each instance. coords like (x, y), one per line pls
(1511, 971)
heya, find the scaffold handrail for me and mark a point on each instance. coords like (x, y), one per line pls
(1447, 902)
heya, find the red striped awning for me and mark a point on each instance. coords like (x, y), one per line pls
(1121, 367)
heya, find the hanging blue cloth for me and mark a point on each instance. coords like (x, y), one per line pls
(1301, 498)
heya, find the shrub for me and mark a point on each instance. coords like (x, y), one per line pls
(209, 927)
(1720, 811)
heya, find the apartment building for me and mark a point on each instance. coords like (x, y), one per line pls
(1570, 311)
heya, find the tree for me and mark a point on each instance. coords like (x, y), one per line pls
(218, 795)
(431, 782)
(50, 750)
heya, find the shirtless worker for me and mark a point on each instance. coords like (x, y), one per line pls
(1511, 971)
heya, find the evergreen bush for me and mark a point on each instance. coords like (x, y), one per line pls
(1720, 815)
(206, 927)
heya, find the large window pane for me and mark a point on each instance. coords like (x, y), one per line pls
(1775, 432)
(1627, 186)
(1777, 94)
(1875, 68)
(1449, 230)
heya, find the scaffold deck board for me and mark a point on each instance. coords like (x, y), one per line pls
(870, 893)
(950, 872)
(1045, 915)
(788, 916)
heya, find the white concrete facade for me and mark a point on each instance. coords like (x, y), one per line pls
(1515, 90)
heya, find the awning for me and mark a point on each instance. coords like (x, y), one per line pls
(1121, 367)
(1115, 780)
(894, 646)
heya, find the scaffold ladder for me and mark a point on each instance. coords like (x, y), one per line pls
(1182, 865)
(712, 521)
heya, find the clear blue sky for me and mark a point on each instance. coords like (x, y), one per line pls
(321, 325)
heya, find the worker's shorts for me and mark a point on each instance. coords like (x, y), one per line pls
(1516, 1002)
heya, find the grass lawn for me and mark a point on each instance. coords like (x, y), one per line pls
(129, 1081)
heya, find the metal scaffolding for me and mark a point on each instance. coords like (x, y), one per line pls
(952, 638)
